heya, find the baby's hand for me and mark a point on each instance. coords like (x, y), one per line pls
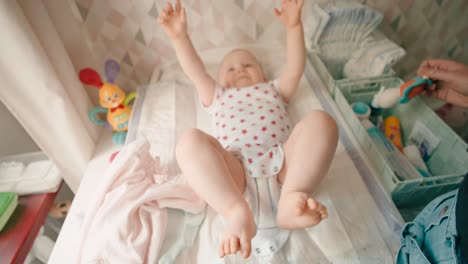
(173, 20)
(290, 14)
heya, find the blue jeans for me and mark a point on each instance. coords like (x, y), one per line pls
(432, 236)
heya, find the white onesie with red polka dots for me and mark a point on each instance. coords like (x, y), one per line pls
(252, 123)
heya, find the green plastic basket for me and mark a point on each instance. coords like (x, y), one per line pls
(331, 73)
(448, 163)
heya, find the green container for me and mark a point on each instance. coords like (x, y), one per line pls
(448, 163)
(331, 73)
(8, 203)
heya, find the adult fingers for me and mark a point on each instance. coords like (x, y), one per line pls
(433, 86)
(442, 64)
(451, 96)
(440, 93)
(438, 74)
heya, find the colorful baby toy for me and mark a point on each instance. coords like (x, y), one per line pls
(113, 101)
(413, 88)
(387, 98)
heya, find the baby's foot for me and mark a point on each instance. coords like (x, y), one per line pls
(298, 210)
(239, 232)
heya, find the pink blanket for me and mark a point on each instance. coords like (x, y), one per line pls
(127, 223)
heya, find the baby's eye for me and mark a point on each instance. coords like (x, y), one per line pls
(247, 65)
(108, 99)
(231, 69)
(116, 96)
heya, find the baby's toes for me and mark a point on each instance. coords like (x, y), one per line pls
(245, 245)
(313, 204)
(320, 208)
(301, 205)
(227, 246)
(221, 252)
(324, 212)
(234, 245)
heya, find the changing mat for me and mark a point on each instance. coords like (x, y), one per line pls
(359, 228)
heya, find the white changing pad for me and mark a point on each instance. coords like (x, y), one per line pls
(356, 231)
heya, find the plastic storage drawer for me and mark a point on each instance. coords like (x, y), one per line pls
(332, 79)
(448, 162)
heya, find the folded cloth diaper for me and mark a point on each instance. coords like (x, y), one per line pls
(262, 194)
(373, 58)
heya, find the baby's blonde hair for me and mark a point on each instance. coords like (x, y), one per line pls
(235, 50)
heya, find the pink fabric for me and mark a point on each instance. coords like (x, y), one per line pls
(127, 223)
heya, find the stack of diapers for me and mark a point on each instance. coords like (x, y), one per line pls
(314, 25)
(342, 30)
(29, 173)
(373, 58)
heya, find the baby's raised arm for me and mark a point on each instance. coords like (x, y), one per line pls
(174, 23)
(290, 16)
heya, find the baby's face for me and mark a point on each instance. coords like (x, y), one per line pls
(240, 69)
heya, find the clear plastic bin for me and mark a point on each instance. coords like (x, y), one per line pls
(448, 163)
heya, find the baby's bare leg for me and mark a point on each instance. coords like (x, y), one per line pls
(308, 154)
(218, 177)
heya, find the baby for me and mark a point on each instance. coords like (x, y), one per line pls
(254, 148)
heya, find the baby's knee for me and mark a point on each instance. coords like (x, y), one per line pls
(190, 141)
(322, 119)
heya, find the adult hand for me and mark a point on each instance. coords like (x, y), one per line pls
(452, 80)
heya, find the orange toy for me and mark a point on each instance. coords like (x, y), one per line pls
(113, 101)
(413, 88)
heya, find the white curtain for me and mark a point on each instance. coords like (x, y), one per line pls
(39, 85)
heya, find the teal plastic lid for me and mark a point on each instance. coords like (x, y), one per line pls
(360, 108)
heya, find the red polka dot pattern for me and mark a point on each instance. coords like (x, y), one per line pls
(251, 120)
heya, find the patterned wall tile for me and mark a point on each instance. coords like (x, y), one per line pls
(128, 32)
(427, 29)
